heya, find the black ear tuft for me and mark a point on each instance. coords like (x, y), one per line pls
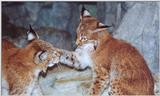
(100, 25)
(105, 26)
(82, 10)
(30, 29)
(31, 34)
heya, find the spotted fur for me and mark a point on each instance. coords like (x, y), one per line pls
(118, 66)
(21, 66)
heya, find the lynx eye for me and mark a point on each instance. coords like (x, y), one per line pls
(83, 38)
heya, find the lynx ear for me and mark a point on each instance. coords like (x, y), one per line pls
(101, 25)
(84, 12)
(31, 34)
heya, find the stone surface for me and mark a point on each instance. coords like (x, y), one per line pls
(61, 15)
(140, 27)
(59, 38)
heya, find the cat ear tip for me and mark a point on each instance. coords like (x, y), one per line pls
(30, 27)
(83, 8)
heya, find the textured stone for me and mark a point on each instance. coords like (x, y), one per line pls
(61, 15)
(140, 27)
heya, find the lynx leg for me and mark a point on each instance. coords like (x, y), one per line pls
(68, 58)
(116, 88)
(72, 59)
(99, 84)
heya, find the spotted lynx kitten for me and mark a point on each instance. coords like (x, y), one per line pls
(117, 65)
(21, 66)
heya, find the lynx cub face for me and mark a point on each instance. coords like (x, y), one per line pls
(21, 66)
(89, 28)
(87, 41)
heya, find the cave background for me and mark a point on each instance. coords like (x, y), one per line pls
(56, 22)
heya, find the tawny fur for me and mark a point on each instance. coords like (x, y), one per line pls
(6, 44)
(19, 68)
(118, 65)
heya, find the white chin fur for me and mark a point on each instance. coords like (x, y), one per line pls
(89, 47)
(84, 54)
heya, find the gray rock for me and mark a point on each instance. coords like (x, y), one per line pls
(140, 27)
(59, 15)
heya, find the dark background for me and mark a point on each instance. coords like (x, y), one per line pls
(56, 22)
